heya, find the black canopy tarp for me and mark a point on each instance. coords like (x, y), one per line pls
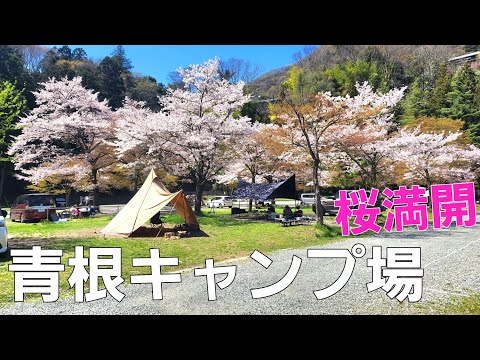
(285, 189)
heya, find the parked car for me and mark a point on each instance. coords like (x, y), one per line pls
(328, 206)
(220, 202)
(331, 209)
(60, 202)
(3, 233)
(307, 198)
(327, 202)
(32, 207)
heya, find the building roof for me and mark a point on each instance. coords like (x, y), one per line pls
(466, 56)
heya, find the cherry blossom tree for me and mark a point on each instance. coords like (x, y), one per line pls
(473, 158)
(70, 125)
(138, 151)
(314, 123)
(61, 176)
(258, 157)
(194, 131)
(464, 165)
(368, 149)
(251, 152)
(429, 157)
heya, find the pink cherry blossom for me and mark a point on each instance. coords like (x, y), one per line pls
(70, 125)
(193, 132)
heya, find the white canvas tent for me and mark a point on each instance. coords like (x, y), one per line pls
(149, 200)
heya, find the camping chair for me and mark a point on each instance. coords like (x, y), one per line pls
(156, 223)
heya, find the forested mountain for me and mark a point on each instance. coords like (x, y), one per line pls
(435, 87)
(335, 67)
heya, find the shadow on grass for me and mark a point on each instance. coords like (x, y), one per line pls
(324, 231)
(65, 244)
(220, 220)
(5, 257)
(68, 244)
(194, 234)
(146, 232)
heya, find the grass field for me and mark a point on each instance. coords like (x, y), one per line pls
(222, 237)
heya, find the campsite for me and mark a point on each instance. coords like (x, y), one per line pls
(140, 225)
(222, 237)
(341, 154)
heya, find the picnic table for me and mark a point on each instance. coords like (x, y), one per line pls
(83, 213)
(290, 221)
(304, 220)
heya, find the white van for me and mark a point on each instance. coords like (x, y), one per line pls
(308, 198)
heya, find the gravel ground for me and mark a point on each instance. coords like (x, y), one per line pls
(450, 259)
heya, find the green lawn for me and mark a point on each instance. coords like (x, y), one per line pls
(460, 305)
(223, 237)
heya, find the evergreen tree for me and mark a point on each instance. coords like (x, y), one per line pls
(11, 66)
(414, 104)
(119, 55)
(438, 97)
(146, 89)
(79, 54)
(12, 103)
(47, 65)
(475, 126)
(111, 84)
(65, 53)
(57, 64)
(475, 133)
(87, 70)
(461, 98)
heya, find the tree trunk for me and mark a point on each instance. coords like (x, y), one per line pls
(318, 201)
(198, 197)
(374, 177)
(429, 187)
(136, 178)
(250, 201)
(269, 179)
(3, 167)
(68, 195)
(96, 193)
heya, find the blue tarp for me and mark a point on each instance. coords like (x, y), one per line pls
(285, 189)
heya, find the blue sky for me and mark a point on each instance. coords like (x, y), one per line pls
(159, 60)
